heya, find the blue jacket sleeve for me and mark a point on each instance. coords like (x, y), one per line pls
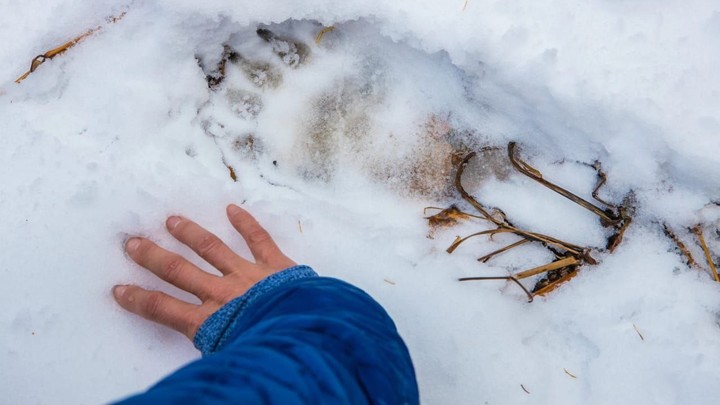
(294, 338)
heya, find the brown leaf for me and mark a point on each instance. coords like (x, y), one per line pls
(447, 217)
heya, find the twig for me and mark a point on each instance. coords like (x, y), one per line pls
(469, 198)
(570, 256)
(602, 179)
(490, 255)
(40, 59)
(321, 34)
(504, 226)
(555, 284)
(549, 240)
(447, 216)
(558, 264)
(233, 176)
(638, 332)
(216, 77)
(525, 168)
(683, 249)
(530, 296)
(459, 241)
(615, 240)
(697, 230)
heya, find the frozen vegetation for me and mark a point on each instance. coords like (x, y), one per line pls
(337, 139)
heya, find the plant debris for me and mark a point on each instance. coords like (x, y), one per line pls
(321, 34)
(509, 278)
(607, 216)
(689, 259)
(569, 373)
(638, 332)
(685, 251)
(40, 59)
(447, 217)
(697, 230)
(569, 257)
(233, 176)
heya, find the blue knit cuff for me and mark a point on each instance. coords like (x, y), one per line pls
(216, 330)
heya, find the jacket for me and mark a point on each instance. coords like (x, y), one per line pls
(294, 338)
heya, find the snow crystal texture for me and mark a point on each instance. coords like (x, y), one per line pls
(337, 143)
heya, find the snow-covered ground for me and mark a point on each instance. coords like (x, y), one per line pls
(337, 147)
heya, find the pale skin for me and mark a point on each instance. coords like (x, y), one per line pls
(238, 273)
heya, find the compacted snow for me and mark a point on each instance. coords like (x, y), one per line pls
(337, 142)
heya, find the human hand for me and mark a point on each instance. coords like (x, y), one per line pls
(238, 274)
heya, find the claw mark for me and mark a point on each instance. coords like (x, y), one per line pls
(216, 77)
(292, 53)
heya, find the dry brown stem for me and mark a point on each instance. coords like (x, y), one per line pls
(697, 230)
(555, 284)
(321, 34)
(40, 59)
(447, 217)
(510, 278)
(607, 219)
(503, 250)
(558, 264)
(690, 260)
(569, 256)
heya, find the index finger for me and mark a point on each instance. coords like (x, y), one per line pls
(261, 244)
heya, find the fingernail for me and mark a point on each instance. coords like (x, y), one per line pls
(132, 244)
(172, 222)
(119, 291)
(233, 209)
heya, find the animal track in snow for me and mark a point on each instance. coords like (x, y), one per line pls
(355, 101)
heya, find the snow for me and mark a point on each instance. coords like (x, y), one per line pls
(337, 153)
